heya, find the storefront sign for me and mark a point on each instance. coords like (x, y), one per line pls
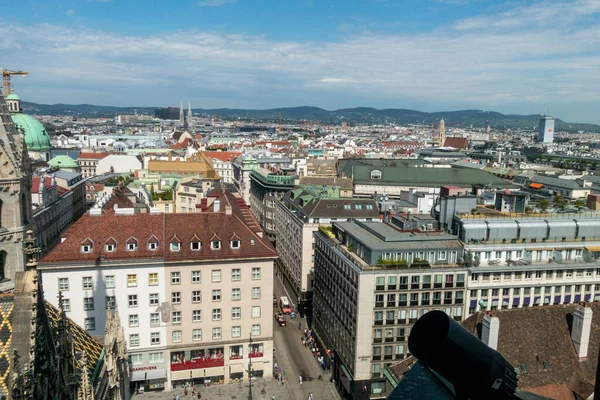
(148, 368)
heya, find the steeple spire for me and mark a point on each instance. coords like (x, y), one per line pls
(190, 122)
(181, 115)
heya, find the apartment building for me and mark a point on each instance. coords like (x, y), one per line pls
(222, 161)
(191, 289)
(88, 162)
(524, 260)
(298, 215)
(267, 186)
(372, 282)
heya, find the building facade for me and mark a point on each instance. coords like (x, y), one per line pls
(546, 130)
(372, 283)
(88, 162)
(192, 290)
(298, 215)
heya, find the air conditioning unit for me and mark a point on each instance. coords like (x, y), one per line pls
(429, 227)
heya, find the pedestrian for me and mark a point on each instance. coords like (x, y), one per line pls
(282, 380)
(177, 397)
(300, 379)
(310, 396)
(173, 397)
(199, 396)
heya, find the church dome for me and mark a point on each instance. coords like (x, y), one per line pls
(63, 162)
(36, 137)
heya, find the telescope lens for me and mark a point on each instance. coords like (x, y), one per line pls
(428, 334)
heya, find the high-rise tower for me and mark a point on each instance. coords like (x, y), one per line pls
(15, 196)
(442, 136)
(181, 116)
(546, 130)
(190, 122)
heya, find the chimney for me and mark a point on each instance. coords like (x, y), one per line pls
(582, 327)
(228, 209)
(490, 330)
(217, 205)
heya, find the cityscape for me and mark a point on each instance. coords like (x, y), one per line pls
(181, 246)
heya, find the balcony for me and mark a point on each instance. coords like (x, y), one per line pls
(427, 286)
(256, 354)
(379, 304)
(414, 285)
(449, 284)
(392, 287)
(389, 322)
(377, 340)
(460, 284)
(447, 301)
(437, 302)
(379, 322)
(379, 287)
(438, 285)
(414, 302)
(389, 339)
(404, 286)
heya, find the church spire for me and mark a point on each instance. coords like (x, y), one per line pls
(190, 122)
(181, 115)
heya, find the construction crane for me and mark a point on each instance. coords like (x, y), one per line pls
(6, 74)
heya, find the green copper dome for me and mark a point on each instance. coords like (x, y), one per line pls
(12, 96)
(36, 137)
(63, 162)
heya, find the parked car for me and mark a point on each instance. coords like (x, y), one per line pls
(280, 319)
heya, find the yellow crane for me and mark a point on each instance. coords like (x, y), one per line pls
(6, 74)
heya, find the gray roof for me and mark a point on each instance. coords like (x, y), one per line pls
(343, 183)
(307, 204)
(381, 236)
(428, 177)
(345, 166)
(67, 175)
(548, 180)
(467, 164)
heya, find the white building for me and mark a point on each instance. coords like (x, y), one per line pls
(546, 130)
(118, 163)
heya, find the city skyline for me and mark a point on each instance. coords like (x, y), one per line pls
(517, 57)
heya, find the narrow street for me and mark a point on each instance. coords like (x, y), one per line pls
(294, 359)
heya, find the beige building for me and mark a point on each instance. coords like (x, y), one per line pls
(198, 164)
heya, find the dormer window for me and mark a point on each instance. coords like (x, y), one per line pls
(109, 248)
(195, 245)
(235, 244)
(175, 246)
(131, 244)
(376, 174)
(153, 243)
(87, 245)
(251, 242)
(215, 244)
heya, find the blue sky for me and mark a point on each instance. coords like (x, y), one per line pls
(514, 57)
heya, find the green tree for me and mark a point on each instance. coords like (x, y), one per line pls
(544, 204)
(580, 204)
(560, 202)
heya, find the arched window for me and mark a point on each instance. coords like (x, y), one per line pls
(376, 174)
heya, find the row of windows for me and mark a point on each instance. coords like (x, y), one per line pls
(177, 336)
(138, 359)
(417, 281)
(132, 279)
(536, 291)
(426, 298)
(553, 274)
(412, 315)
(176, 316)
(175, 245)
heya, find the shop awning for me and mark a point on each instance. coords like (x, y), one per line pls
(137, 376)
(592, 248)
(235, 368)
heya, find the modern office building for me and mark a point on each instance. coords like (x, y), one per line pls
(266, 188)
(372, 282)
(546, 130)
(191, 289)
(526, 260)
(298, 215)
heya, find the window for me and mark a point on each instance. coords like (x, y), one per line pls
(195, 276)
(63, 284)
(236, 313)
(195, 246)
(538, 274)
(255, 329)
(152, 245)
(175, 278)
(153, 279)
(132, 245)
(134, 320)
(109, 281)
(156, 358)
(176, 317)
(216, 333)
(196, 315)
(216, 275)
(256, 293)
(175, 246)
(155, 338)
(134, 340)
(216, 314)
(255, 273)
(66, 305)
(154, 299)
(236, 294)
(216, 295)
(176, 297)
(236, 274)
(109, 247)
(132, 300)
(88, 303)
(88, 283)
(236, 331)
(154, 318)
(176, 336)
(197, 334)
(196, 296)
(235, 244)
(86, 248)
(136, 359)
(376, 174)
(215, 244)
(255, 311)
(90, 324)
(441, 255)
(131, 280)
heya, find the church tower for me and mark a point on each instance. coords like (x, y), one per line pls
(181, 116)
(442, 136)
(190, 122)
(15, 197)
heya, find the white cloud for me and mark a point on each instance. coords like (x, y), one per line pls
(215, 3)
(70, 12)
(474, 63)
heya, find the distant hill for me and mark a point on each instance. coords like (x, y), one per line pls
(367, 115)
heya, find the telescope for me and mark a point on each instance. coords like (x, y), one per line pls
(475, 370)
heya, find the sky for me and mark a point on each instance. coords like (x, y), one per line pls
(517, 57)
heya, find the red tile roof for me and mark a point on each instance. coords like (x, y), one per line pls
(457, 142)
(35, 183)
(224, 156)
(239, 224)
(92, 156)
